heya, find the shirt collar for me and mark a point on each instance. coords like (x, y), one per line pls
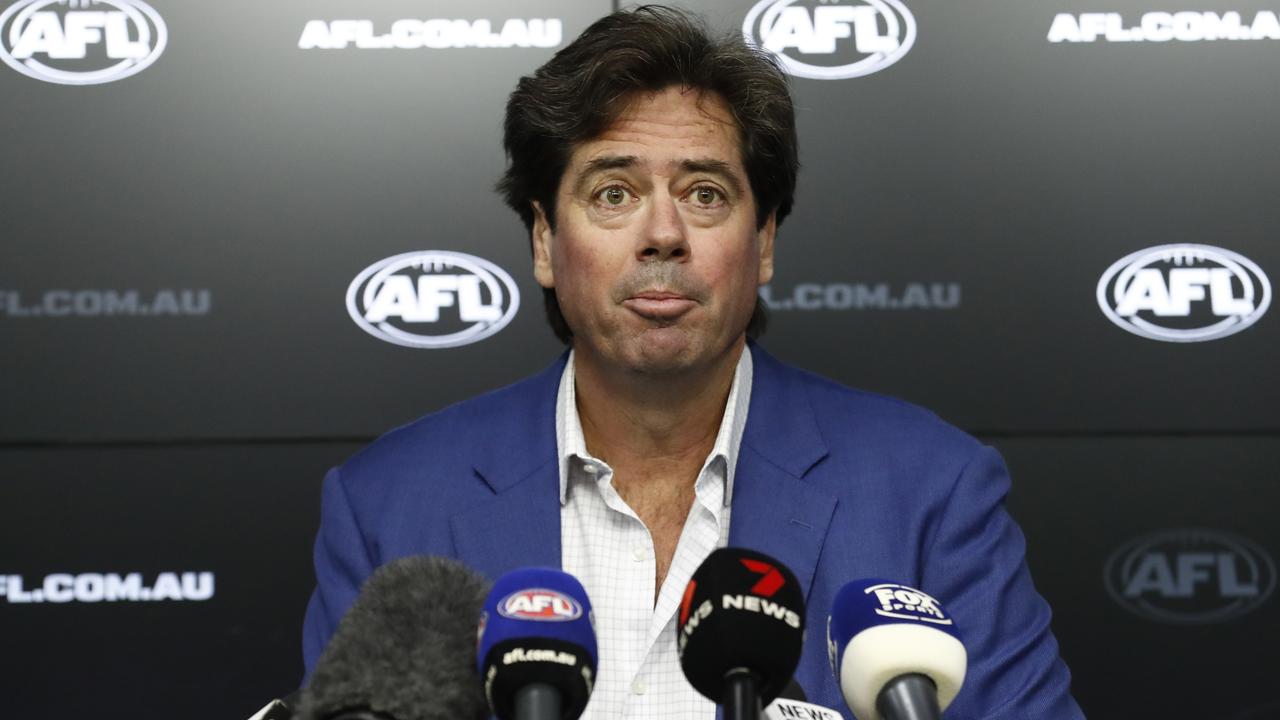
(571, 444)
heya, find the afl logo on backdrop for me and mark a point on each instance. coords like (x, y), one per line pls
(1184, 293)
(1190, 576)
(831, 40)
(81, 42)
(432, 299)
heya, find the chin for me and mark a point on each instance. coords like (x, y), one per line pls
(663, 351)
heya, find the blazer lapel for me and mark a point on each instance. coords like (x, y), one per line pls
(774, 510)
(519, 526)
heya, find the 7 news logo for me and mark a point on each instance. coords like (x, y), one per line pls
(771, 581)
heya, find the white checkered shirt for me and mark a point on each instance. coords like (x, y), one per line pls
(606, 546)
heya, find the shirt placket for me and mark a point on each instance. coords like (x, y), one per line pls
(635, 590)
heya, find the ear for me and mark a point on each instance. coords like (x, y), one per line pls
(542, 238)
(764, 240)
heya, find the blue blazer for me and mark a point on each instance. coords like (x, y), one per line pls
(836, 483)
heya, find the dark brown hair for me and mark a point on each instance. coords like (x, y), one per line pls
(575, 95)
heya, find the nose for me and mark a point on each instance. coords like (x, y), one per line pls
(663, 237)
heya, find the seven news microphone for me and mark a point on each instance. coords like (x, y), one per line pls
(739, 634)
(741, 625)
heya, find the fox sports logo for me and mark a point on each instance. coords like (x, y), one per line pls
(831, 40)
(432, 299)
(1184, 293)
(81, 42)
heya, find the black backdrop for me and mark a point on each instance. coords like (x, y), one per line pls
(178, 364)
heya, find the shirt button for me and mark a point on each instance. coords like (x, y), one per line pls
(638, 553)
(590, 469)
(637, 687)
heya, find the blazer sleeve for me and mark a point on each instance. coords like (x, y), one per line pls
(342, 562)
(976, 566)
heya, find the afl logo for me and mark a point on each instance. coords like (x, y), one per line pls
(1190, 576)
(432, 299)
(81, 42)
(1184, 293)
(831, 40)
(541, 605)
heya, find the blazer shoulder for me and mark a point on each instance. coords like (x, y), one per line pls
(848, 415)
(452, 439)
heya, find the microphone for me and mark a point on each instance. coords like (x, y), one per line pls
(792, 704)
(275, 710)
(790, 709)
(740, 630)
(537, 647)
(894, 651)
(792, 691)
(405, 649)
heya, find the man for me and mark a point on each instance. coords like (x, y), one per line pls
(652, 167)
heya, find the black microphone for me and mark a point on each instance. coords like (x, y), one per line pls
(275, 710)
(537, 646)
(787, 709)
(740, 630)
(792, 704)
(793, 691)
(406, 648)
(894, 651)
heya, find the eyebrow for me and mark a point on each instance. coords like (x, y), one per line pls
(609, 162)
(600, 164)
(714, 167)
(700, 165)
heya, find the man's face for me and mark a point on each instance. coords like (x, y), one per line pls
(656, 258)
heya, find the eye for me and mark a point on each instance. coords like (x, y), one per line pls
(613, 195)
(706, 195)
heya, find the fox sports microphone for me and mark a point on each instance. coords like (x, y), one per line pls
(740, 630)
(894, 651)
(537, 654)
(406, 648)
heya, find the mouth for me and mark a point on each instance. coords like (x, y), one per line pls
(659, 304)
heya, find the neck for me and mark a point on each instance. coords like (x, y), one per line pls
(628, 415)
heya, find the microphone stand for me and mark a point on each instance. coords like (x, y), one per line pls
(538, 701)
(741, 695)
(909, 697)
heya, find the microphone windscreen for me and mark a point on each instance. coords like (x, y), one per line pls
(537, 627)
(741, 609)
(406, 648)
(879, 630)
